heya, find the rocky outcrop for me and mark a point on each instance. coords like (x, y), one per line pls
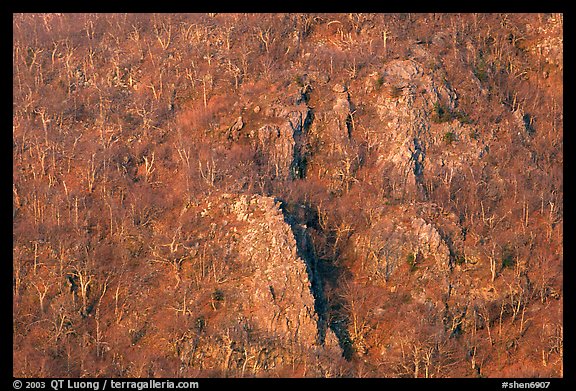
(401, 237)
(276, 143)
(342, 120)
(280, 141)
(234, 130)
(273, 298)
(280, 288)
(423, 133)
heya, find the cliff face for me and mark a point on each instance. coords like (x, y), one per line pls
(266, 293)
(278, 293)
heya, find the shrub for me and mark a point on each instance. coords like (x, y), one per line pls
(200, 324)
(218, 295)
(411, 260)
(441, 113)
(449, 137)
(480, 70)
(299, 81)
(395, 92)
(406, 298)
(508, 257)
(462, 117)
(460, 259)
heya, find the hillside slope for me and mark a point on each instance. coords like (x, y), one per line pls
(294, 195)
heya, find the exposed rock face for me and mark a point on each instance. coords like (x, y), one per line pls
(550, 41)
(280, 288)
(277, 144)
(415, 136)
(235, 128)
(279, 141)
(412, 251)
(404, 114)
(342, 109)
(272, 301)
(428, 238)
(399, 238)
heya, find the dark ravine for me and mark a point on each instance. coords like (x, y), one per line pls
(305, 251)
(330, 315)
(299, 158)
(418, 155)
(299, 218)
(453, 254)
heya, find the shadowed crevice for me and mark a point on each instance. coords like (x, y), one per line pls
(330, 315)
